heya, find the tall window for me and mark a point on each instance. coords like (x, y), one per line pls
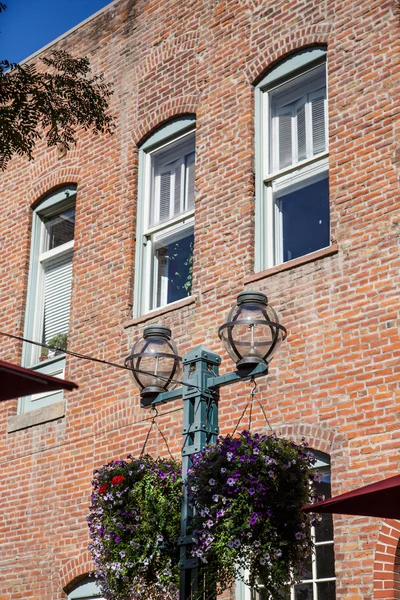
(165, 217)
(318, 582)
(49, 288)
(292, 189)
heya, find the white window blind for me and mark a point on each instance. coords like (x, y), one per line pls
(318, 123)
(57, 295)
(173, 189)
(298, 122)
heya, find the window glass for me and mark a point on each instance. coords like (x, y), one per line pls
(326, 590)
(304, 214)
(60, 228)
(87, 590)
(174, 269)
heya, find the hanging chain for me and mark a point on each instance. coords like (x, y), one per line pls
(153, 422)
(265, 416)
(250, 402)
(165, 439)
(252, 394)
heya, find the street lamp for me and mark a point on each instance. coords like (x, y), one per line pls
(251, 335)
(252, 332)
(154, 363)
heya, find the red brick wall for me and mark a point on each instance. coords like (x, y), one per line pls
(336, 380)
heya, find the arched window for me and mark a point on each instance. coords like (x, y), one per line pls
(49, 289)
(292, 190)
(86, 590)
(165, 223)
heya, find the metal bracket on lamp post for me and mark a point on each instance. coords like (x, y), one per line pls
(200, 394)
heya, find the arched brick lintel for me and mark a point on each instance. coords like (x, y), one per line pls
(51, 181)
(314, 35)
(317, 437)
(75, 570)
(387, 562)
(175, 107)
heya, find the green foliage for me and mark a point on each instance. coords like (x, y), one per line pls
(50, 104)
(134, 525)
(247, 493)
(58, 342)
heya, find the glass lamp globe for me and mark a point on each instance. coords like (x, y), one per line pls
(154, 362)
(252, 333)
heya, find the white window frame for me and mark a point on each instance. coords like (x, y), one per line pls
(53, 204)
(150, 234)
(269, 177)
(244, 592)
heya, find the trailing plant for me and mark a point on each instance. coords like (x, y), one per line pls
(134, 525)
(58, 343)
(247, 492)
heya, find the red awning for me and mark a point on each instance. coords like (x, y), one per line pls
(16, 381)
(381, 499)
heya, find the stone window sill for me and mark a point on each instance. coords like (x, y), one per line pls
(160, 311)
(292, 264)
(36, 417)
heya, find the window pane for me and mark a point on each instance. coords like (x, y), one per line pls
(303, 591)
(172, 181)
(325, 561)
(283, 594)
(305, 219)
(57, 298)
(306, 570)
(60, 228)
(324, 529)
(326, 590)
(174, 276)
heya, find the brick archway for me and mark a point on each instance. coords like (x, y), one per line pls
(387, 562)
(75, 570)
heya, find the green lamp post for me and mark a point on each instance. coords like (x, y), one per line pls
(251, 335)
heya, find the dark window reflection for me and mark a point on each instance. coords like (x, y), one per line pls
(326, 590)
(175, 265)
(305, 219)
(324, 529)
(60, 228)
(303, 591)
(325, 561)
(306, 572)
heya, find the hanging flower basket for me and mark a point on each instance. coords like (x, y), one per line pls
(247, 492)
(134, 524)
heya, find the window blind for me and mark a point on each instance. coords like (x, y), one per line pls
(57, 295)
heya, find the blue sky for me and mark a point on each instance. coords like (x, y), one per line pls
(28, 25)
